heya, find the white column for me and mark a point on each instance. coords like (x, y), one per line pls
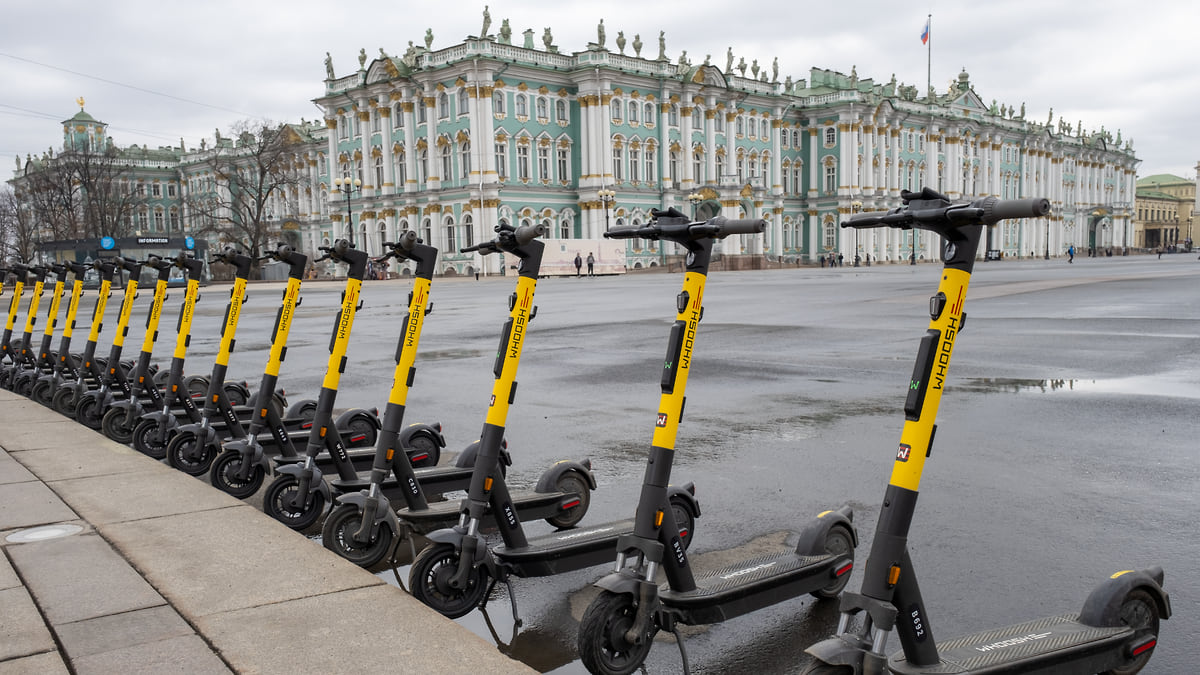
(385, 126)
(685, 138)
(814, 167)
(776, 167)
(410, 149)
(432, 179)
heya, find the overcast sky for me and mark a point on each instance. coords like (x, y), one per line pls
(160, 71)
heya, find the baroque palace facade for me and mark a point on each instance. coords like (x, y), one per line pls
(452, 142)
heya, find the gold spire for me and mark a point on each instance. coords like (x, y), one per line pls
(80, 102)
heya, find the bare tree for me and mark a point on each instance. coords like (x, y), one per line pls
(18, 235)
(80, 193)
(257, 171)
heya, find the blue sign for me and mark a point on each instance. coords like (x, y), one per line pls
(107, 243)
(189, 242)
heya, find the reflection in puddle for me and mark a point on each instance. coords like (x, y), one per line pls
(1142, 385)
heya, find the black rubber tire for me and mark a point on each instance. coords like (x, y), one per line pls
(223, 475)
(236, 395)
(839, 541)
(88, 413)
(42, 392)
(145, 439)
(303, 410)
(23, 385)
(1140, 612)
(64, 401)
(601, 642)
(427, 579)
(822, 668)
(275, 504)
(196, 385)
(421, 444)
(571, 481)
(179, 450)
(359, 425)
(338, 536)
(684, 520)
(113, 426)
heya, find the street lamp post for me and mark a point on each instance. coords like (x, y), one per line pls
(1047, 239)
(607, 197)
(348, 187)
(856, 207)
(695, 198)
(912, 257)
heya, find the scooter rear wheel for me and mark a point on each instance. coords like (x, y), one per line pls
(224, 475)
(684, 521)
(571, 481)
(88, 413)
(113, 426)
(145, 439)
(183, 454)
(838, 542)
(602, 644)
(429, 580)
(1140, 613)
(277, 503)
(426, 448)
(338, 536)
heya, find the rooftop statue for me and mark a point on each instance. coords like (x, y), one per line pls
(487, 22)
(621, 41)
(662, 45)
(505, 33)
(329, 66)
(600, 33)
(428, 38)
(362, 58)
(729, 60)
(637, 45)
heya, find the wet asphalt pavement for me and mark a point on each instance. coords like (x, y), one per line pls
(1066, 448)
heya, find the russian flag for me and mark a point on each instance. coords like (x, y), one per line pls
(925, 33)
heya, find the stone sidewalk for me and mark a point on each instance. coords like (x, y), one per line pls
(167, 574)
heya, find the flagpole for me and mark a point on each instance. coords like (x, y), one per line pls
(929, 59)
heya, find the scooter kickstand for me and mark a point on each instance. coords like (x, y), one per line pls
(682, 649)
(512, 600)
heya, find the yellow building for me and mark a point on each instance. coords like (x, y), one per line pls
(1164, 212)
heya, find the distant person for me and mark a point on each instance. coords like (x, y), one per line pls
(1071, 254)
(591, 261)
(578, 264)
(841, 260)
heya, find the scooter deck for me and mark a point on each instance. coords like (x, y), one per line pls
(565, 550)
(1048, 645)
(750, 585)
(530, 505)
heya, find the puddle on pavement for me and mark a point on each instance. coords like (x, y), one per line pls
(1142, 385)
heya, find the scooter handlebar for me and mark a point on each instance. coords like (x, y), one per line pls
(724, 227)
(999, 209)
(942, 215)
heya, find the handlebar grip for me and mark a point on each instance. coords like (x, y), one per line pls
(730, 226)
(527, 233)
(1000, 209)
(629, 232)
(869, 219)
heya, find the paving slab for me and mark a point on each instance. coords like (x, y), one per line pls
(261, 561)
(156, 491)
(11, 471)
(50, 663)
(22, 631)
(8, 576)
(30, 504)
(119, 631)
(80, 577)
(93, 455)
(187, 655)
(324, 634)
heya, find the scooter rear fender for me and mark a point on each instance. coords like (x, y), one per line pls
(296, 469)
(812, 537)
(550, 476)
(420, 429)
(1103, 605)
(686, 494)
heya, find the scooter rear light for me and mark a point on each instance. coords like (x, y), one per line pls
(420, 457)
(1144, 646)
(357, 438)
(843, 569)
(571, 504)
(437, 426)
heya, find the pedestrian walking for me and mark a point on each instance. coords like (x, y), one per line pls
(1071, 254)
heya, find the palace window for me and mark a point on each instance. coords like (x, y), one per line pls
(633, 112)
(543, 109)
(648, 114)
(618, 159)
(443, 106)
(398, 116)
(635, 158)
(560, 111)
(447, 164)
(831, 177)
(498, 104)
(543, 154)
(464, 102)
(464, 158)
(830, 137)
(502, 160)
(378, 173)
(564, 164)
(522, 103)
(523, 162)
(615, 111)
(673, 115)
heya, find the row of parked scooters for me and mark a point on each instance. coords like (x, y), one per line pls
(389, 478)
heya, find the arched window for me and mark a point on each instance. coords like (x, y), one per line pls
(443, 106)
(830, 137)
(633, 112)
(468, 226)
(381, 229)
(401, 169)
(564, 229)
(615, 111)
(498, 104)
(422, 112)
(830, 177)
(635, 159)
(648, 114)
(522, 103)
(753, 128)
(379, 172)
(543, 109)
(398, 116)
(463, 101)
(423, 166)
(447, 164)
(502, 160)
(451, 241)
(560, 111)
(427, 235)
(464, 159)
(673, 115)
(740, 128)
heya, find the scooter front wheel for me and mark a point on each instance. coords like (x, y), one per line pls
(429, 580)
(189, 454)
(338, 536)
(277, 503)
(145, 439)
(224, 475)
(113, 426)
(1140, 613)
(88, 413)
(64, 401)
(23, 385)
(42, 392)
(568, 482)
(838, 542)
(603, 646)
